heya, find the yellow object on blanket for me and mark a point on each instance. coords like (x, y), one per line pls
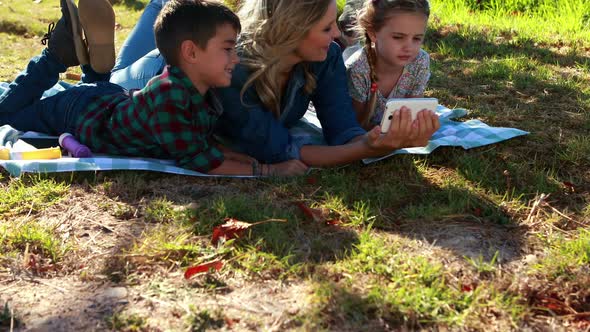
(48, 153)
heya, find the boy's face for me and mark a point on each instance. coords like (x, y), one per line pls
(217, 60)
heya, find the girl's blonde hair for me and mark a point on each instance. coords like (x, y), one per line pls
(272, 30)
(372, 18)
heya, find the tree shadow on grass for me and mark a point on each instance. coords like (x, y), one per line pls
(542, 92)
(442, 210)
(408, 204)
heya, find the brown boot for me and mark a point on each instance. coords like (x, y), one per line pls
(98, 21)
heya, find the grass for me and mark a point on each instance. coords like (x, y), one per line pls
(566, 256)
(493, 238)
(18, 196)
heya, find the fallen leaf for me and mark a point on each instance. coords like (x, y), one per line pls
(205, 267)
(314, 214)
(230, 230)
(312, 180)
(333, 222)
(317, 215)
(230, 322)
(466, 288)
(477, 212)
(570, 186)
(552, 303)
(235, 228)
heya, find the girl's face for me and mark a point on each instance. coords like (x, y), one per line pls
(398, 42)
(314, 47)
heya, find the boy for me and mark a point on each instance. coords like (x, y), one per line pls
(171, 118)
(349, 40)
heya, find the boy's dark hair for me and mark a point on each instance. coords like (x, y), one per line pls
(195, 20)
(347, 20)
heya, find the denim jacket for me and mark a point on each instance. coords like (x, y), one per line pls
(258, 133)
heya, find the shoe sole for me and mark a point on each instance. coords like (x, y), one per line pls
(98, 21)
(79, 45)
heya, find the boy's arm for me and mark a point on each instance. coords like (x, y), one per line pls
(231, 154)
(241, 164)
(235, 167)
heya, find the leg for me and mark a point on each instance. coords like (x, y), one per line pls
(41, 74)
(137, 75)
(59, 113)
(141, 39)
(64, 50)
(89, 75)
(98, 21)
(64, 39)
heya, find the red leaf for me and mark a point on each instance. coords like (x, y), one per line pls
(230, 230)
(230, 322)
(554, 304)
(312, 180)
(205, 267)
(466, 288)
(570, 186)
(333, 222)
(316, 215)
(477, 212)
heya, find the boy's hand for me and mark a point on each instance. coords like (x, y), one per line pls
(286, 168)
(237, 156)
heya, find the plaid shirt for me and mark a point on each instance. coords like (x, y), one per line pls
(168, 119)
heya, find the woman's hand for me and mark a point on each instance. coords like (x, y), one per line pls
(286, 168)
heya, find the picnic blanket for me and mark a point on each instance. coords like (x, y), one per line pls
(468, 134)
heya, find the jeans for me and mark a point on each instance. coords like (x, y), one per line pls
(139, 60)
(21, 105)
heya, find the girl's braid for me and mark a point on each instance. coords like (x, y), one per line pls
(372, 102)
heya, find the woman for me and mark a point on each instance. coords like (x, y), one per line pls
(288, 58)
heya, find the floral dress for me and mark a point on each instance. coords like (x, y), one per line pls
(412, 81)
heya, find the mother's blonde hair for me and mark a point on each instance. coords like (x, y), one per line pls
(272, 30)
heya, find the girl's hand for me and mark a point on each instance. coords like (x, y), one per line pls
(397, 135)
(286, 168)
(425, 125)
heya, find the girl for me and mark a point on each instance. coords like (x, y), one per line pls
(392, 63)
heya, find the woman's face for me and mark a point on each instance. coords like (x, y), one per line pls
(314, 47)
